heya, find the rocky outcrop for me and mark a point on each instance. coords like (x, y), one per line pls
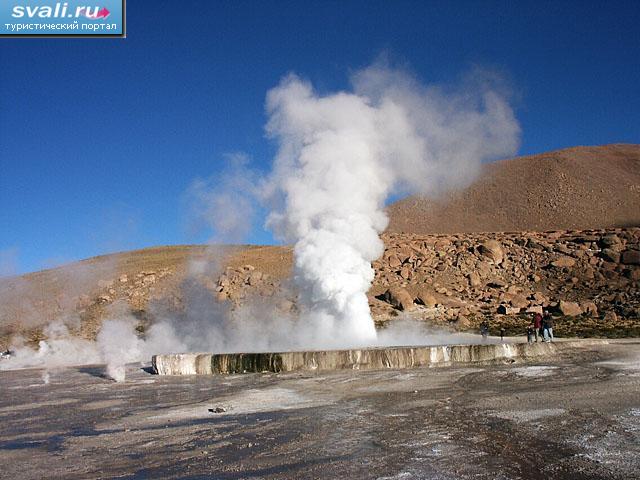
(456, 280)
(477, 276)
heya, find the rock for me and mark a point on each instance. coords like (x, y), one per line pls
(497, 283)
(286, 306)
(217, 410)
(394, 262)
(513, 289)
(123, 279)
(483, 268)
(405, 272)
(563, 249)
(589, 308)
(426, 297)
(630, 257)
(570, 309)
(222, 296)
(399, 298)
(492, 250)
(505, 310)
(610, 241)
(519, 301)
(474, 280)
(452, 302)
(610, 255)
(610, 317)
(462, 322)
(254, 278)
(564, 262)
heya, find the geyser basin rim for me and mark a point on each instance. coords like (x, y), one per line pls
(375, 358)
(351, 349)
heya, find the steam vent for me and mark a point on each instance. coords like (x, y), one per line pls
(357, 359)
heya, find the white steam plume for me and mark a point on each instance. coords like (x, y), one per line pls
(341, 155)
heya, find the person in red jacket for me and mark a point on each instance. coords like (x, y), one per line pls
(537, 323)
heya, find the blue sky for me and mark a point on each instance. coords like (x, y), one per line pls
(100, 138)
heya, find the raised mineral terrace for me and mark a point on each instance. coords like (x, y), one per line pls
(356, 359)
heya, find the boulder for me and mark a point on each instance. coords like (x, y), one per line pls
(497, 283)
(589, 308)
(540, 298)
(254, 278)
(564, 262)
(630, 257)
(610, 241)
(394, 262)
(405, 272)
(519, 301)
(462, 322)
(570, 309)
(474, 280)
(610, 255)
(399, 298)
(492, 250)
(506, 310)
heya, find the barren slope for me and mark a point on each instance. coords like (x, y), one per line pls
(575, 188)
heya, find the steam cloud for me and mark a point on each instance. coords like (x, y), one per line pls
(341, 155)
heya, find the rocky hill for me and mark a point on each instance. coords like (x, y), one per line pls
(589, 279)
(442, 269)
(575, 188)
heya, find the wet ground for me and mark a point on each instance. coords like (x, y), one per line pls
(575, 416)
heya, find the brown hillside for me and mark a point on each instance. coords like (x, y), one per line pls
(594, 187)
(575, 188)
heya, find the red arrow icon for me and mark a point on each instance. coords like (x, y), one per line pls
(103, 13)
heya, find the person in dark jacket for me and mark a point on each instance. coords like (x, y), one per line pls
(530, 332)
(484, 329)
(537, 325)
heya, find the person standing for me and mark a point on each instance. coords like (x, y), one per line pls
(484, 329)
(530, 332)
(537, 325)
(548, 326)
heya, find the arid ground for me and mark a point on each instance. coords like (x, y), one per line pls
(575, 416)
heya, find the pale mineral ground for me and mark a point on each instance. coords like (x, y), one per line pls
(575, 415)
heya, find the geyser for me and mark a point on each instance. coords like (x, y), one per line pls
(341, 155)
